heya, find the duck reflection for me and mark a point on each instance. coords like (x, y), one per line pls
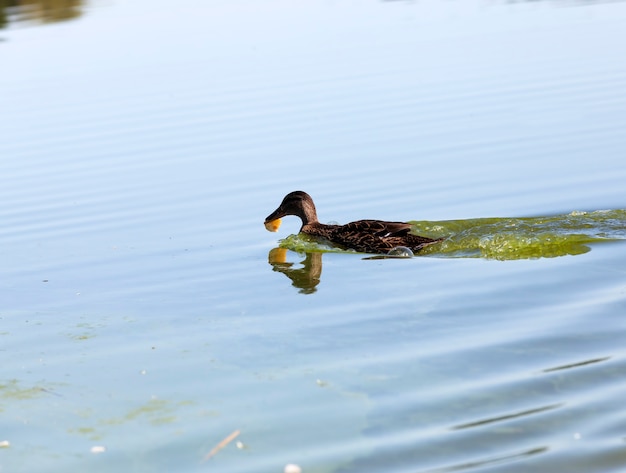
(306, 277)
(42, 11)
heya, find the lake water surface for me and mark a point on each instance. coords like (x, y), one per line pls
(149, 322)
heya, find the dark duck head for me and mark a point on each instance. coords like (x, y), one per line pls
(296, 203)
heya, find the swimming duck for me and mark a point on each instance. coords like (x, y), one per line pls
(365, 236)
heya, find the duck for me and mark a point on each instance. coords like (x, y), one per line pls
(363, 236)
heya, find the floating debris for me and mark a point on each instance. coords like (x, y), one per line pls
(221, 445)
(273, 225)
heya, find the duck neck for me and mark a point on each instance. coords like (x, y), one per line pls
(308, 215)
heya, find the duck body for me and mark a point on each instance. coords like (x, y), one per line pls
(364, 236)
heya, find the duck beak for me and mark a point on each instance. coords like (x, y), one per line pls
(278, 213)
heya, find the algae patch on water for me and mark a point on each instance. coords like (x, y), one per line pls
(525, 237)
(303, 243)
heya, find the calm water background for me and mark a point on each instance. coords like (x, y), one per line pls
(142, 145)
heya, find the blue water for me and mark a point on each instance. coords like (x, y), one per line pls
(146, 316)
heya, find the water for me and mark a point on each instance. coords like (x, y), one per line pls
(148, 316)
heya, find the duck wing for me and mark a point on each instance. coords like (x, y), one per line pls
(377, 228)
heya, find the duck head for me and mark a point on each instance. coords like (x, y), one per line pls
(296, 203)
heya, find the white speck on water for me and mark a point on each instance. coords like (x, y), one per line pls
(292, 468)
